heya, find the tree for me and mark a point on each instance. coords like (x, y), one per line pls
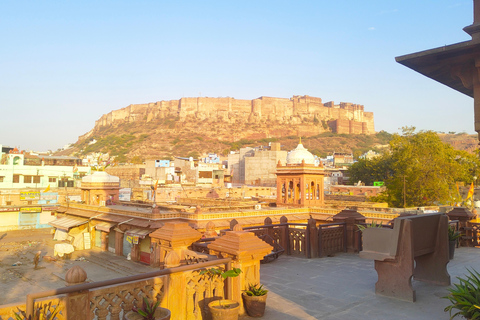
(420, 163)
(136, 160)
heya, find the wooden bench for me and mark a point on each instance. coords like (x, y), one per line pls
(416, 246)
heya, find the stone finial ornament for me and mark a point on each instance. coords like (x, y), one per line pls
(237, 227)
(172, 260)
(267, 221)
(210, 230)
(75, 275)
(233, 223)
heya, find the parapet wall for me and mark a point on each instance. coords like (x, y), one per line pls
(296, 110)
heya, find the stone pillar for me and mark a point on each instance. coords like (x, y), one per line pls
(285, 239)
(351, 218)
(174, 236)
(104, 241)
(77, 305)
(246, 251)
(463, 215)
(313, 233)
(118, 242)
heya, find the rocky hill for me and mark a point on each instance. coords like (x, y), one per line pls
(196, 126)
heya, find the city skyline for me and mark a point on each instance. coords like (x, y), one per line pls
(66, 64)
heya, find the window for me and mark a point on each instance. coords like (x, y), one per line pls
(1, 178)
(16, 178)
(36, 179)
(27, 179)
(52, 179)
(9, 203)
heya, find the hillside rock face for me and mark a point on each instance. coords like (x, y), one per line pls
(297, 111)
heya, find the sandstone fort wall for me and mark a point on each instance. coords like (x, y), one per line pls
(341, 117)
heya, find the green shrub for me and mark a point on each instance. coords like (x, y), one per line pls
(465, 297)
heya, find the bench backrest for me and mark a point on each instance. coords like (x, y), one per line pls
(424, 229)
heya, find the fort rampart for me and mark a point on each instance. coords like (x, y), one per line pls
(342, 118)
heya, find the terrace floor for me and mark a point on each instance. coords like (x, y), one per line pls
(343, 287)
(339, 287)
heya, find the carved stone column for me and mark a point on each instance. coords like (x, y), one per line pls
(78, 306)
(246, 251)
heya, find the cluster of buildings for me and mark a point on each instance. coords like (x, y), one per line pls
(32, 186)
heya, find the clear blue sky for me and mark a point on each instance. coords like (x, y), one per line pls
(65, 63)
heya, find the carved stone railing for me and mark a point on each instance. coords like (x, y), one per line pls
(192, 257)
(332, 238)
(301, 240)
(473, 233)
(183, 290)
(298, 237)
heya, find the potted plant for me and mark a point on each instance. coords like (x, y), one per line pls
(41, 312)
(149, 311)
(453, 236)
(373, 224)
(255, 299)
(222, 309)
(465, 296)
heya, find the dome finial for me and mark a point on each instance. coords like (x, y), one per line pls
(300, 142)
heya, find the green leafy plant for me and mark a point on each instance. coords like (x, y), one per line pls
(148, 309)
(256, 290)
(465, 297)
(374, 224)
(453, 234)
(41, 312)
(212, 273)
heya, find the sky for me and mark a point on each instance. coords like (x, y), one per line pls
(63, 64)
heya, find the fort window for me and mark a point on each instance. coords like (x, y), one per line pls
(16, 178)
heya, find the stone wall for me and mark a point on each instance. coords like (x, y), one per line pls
(296, 110)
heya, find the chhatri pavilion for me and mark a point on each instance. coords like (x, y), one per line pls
(300, 181)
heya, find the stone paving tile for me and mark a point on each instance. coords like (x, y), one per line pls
(343, 287)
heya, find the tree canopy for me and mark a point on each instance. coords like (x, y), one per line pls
(428, 167)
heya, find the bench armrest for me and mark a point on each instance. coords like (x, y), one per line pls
(380, 243)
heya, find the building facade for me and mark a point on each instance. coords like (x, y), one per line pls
(20, 170)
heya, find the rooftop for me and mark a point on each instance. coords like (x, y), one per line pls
(343, 287)
(338, 287)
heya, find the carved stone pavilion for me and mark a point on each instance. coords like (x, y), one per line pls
(300, 182)
(456, 65)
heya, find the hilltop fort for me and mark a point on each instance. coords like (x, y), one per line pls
(346, 118)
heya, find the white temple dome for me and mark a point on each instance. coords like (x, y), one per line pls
(298, 154)
(100, 176)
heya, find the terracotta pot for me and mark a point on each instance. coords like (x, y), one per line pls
(451, 248)
(224, 309)
(160, 314)
(254, 305)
